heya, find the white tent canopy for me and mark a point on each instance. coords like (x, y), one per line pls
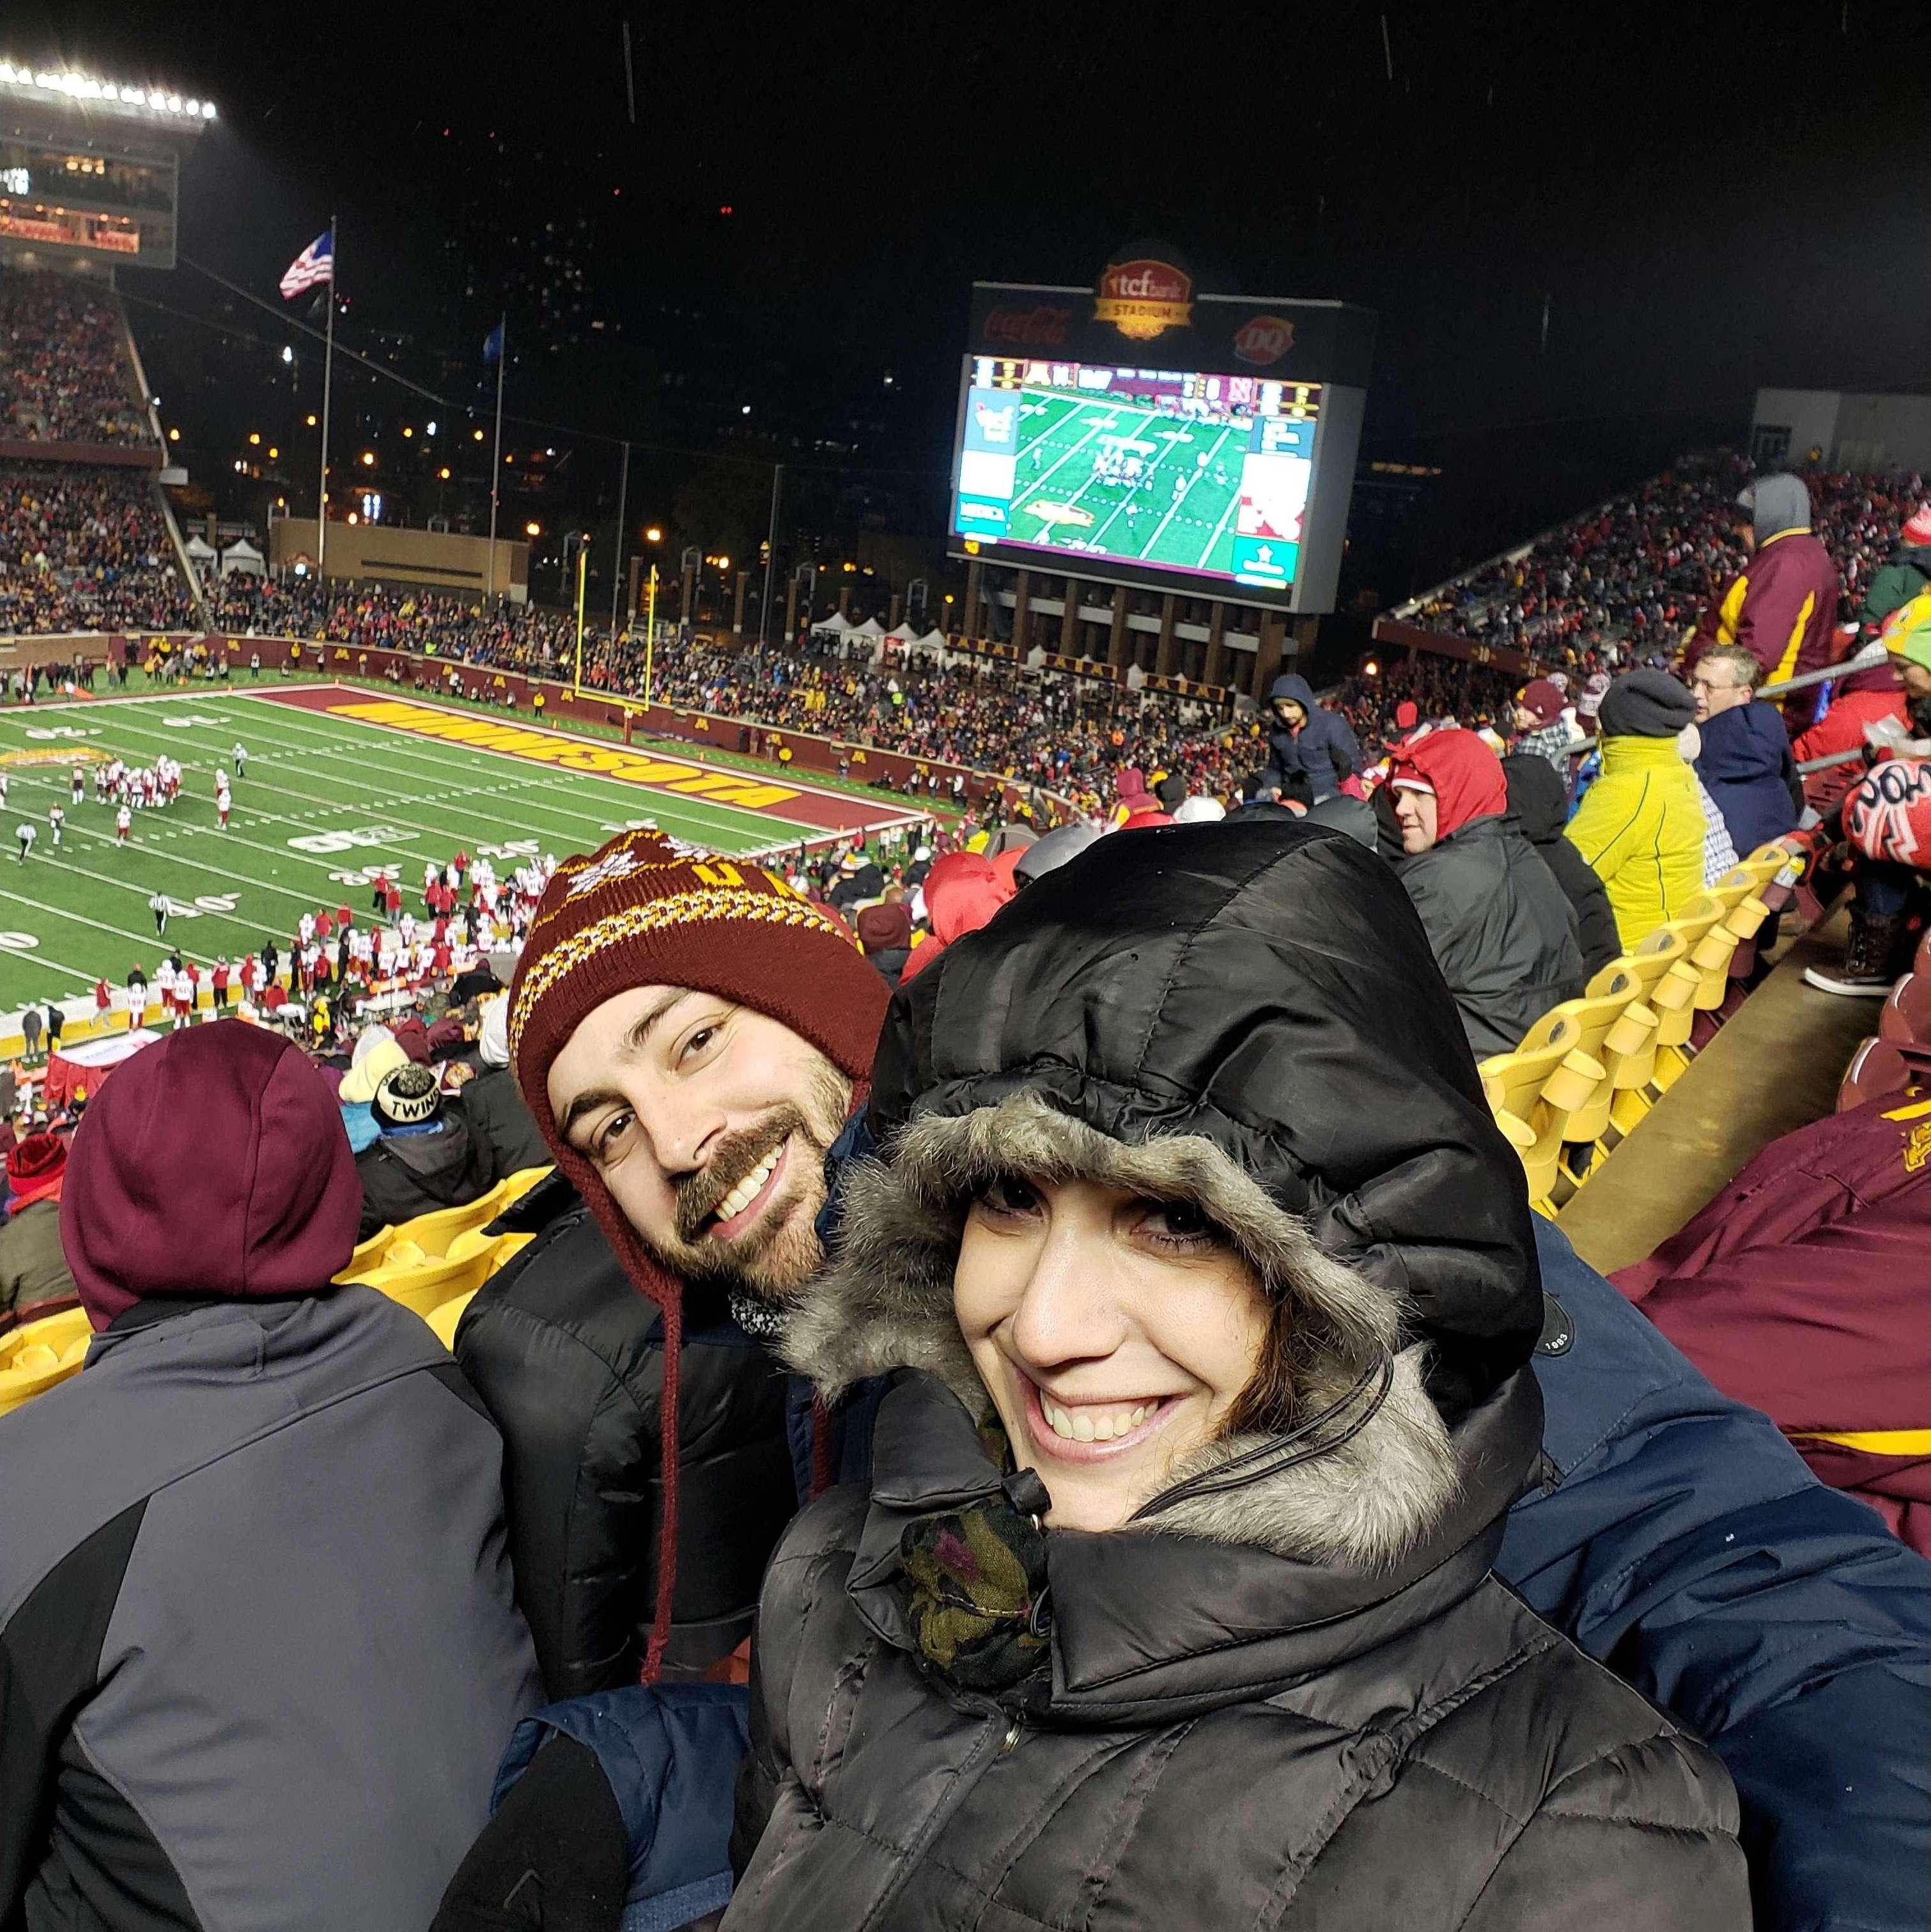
(200, 549)
(934, 640)
(241, 555)
(902, 634)
(871, 627)
(837, 625)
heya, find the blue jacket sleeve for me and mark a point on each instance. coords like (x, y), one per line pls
(670, 1754)
(1677, 1536)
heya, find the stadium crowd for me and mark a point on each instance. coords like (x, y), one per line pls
(937, 1452)
(1632, 574)
(84, 550)
(64, 373)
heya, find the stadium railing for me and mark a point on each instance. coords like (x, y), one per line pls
(431, 1265)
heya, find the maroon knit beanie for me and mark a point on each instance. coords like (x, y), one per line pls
(1543, 699)
(644, 910)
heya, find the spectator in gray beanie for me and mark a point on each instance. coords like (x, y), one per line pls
(1641, 825)
(1646, 704)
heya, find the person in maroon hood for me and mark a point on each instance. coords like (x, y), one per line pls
(258, 1657)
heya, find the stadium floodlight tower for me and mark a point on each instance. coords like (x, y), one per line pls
(1150, 484)
(90, 169)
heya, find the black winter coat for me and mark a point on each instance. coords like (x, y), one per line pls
(500, 1117)
(1539, 804)
(1503, 933)
(1229, 1739)
(1290, 1694)
(568, 1358)
(404, 1175)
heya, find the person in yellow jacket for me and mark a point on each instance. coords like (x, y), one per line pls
(1641, 825)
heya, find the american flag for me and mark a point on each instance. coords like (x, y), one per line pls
(316, 263)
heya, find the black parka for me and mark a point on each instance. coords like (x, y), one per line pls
(1503, 932)
(1540, 806)
(568, 1358)
(1230, 1728)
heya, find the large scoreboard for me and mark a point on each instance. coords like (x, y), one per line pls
(91, 170)
(1142, 435)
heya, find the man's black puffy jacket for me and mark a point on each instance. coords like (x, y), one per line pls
(569, 1358)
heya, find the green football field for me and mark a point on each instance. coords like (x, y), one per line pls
(327, 800)
(1061, 500)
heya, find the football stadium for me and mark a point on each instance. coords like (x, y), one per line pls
(1166, 1168)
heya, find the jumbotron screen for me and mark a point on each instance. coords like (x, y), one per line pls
(1167, 470)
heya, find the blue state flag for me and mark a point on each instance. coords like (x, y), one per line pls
(492, 345)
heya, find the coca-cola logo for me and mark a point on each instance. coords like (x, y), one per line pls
(1044, 324)
(1263, 339)
(1146, 281)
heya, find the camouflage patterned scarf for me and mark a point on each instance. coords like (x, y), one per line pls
(976, 1579)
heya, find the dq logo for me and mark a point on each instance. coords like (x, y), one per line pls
(1263, 339)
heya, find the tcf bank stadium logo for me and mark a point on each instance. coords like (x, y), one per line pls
(1263, 339)
(1144, 298)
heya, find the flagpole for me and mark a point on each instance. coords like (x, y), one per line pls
(497, 470)
(649, 640)
(328, 383)
(617, 568)
(583, 585)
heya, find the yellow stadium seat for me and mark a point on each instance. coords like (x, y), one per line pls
(432, 1233)
(519, 1183)
(443, 1321)
(37, 1354)
(499, 1247)
(368, 1254)
(426, 1286)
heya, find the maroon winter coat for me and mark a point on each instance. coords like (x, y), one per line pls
(1782, 607)
(1801, 1290)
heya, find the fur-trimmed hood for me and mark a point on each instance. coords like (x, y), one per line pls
(1388, 1468)
(1248, 1017)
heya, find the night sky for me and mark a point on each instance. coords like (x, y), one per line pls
(1705, 198)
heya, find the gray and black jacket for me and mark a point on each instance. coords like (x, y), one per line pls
(258, 1654)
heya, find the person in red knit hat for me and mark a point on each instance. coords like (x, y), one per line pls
(690, 1036)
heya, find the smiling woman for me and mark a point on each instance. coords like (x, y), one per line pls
(1171, 1602)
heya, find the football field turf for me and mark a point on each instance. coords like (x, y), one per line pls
(1060, 499)
(341, 782)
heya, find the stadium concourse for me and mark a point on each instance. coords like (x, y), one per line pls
(452, 1030)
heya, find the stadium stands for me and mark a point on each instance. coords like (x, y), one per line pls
(1633, 574)
(84, 550)
(65, 376)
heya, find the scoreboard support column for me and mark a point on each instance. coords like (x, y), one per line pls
(1216, 645)
(973, 627)
(1163, 661)
(1267, 658)
(1116, 642)
(1022, 607)
(1069, 621)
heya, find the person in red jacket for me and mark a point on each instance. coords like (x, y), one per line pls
(1863, 698)
(1800, 1290)
(1782, 606)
